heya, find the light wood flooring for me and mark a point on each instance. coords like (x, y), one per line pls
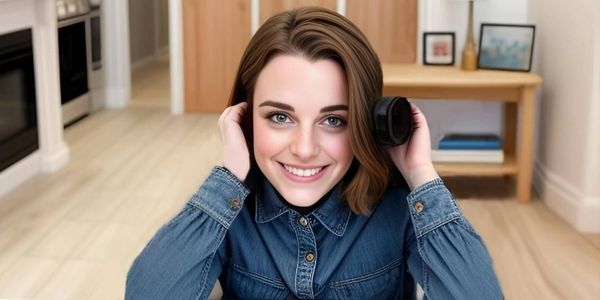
(73, 234)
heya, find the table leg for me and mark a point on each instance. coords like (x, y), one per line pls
(525, 154)
(509, 138)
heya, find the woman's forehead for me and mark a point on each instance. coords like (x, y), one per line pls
(297, 81)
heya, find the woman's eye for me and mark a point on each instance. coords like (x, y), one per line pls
(334, 122)
(279, 118)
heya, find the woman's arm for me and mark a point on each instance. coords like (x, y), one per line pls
(185, 257)
(445, 254)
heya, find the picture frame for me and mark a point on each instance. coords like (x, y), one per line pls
(507, 47)
(439, 48)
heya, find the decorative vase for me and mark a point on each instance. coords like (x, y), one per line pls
(469, 53)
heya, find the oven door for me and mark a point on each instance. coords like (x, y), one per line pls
(73, 49)
(18, 118)
(73, 59)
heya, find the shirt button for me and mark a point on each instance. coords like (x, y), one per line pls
(310, 257)
(303, 221)
(419, 207)
(235, 202)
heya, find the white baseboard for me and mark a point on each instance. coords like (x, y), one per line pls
(142, 61)
(581, 211)
(19, 172)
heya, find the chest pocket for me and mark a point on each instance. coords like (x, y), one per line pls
(244, 284)
(383, 283)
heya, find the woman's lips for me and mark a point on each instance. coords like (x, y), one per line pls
(306, 174)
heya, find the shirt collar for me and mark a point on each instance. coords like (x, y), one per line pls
(334, 213)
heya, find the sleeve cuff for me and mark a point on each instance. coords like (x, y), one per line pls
(221, 196)
(431, 206)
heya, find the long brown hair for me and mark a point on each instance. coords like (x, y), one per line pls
(317, 33)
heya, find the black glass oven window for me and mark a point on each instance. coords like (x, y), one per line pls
(13, 110)
(73, 61)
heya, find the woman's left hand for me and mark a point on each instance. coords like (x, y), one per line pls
(413, 158)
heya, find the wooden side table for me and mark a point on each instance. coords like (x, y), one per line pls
(515, 89)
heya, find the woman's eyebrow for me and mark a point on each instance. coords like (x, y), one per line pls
(277, 105)
(334, 108)
(290, 108)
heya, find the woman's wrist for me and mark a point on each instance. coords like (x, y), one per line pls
(421, 175)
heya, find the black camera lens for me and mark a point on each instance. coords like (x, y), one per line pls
(393, 120)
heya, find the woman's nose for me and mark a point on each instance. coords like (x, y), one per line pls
(304, 145)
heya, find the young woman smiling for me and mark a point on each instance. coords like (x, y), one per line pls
(307, 204)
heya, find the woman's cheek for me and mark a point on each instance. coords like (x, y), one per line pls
(267, 141)
(338, 146)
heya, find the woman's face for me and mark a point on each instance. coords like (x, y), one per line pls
(301, 141)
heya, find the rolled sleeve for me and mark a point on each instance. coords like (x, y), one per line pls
(431, 205)
(221, 196)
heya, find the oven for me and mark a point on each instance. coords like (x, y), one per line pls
(18, 118)
(74, 59)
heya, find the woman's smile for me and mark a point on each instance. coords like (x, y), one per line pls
(303, 174)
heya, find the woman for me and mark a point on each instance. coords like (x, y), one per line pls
(307, 204)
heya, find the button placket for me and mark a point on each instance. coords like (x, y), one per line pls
(307, 251)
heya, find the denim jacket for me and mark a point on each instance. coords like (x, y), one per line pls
(259, 248)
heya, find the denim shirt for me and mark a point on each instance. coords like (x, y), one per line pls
(259, 248)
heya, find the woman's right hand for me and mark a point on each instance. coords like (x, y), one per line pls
(236, 157)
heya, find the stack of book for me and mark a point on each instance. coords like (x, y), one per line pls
(469, 148)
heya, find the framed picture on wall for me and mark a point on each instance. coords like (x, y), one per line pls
(438, 48)
(506, 47)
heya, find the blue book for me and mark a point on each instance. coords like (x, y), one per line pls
(470, 141)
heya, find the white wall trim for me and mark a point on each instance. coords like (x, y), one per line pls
(592, 169)
(341, 7)
(176, 56)
(115, 96)
(53, 149)
(254, 16)
(566, 201)
(424, 15)
(117, 59)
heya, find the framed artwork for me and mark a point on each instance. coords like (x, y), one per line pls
(506, 47)
(438, 48)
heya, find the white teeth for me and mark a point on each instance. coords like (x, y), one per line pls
(303, 172)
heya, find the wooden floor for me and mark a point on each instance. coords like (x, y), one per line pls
(73, 234)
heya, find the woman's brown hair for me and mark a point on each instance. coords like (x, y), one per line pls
(317, 33)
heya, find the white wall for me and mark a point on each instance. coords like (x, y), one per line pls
(451, 15)
(148, 29)
(567, 166)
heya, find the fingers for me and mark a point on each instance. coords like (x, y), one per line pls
(234, 113)
(237, 111)
(418, 116)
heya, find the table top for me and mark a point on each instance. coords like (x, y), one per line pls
(413, 75)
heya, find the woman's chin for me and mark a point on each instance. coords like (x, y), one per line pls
(301, 198)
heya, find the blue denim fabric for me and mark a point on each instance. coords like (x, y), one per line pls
(258, 248)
